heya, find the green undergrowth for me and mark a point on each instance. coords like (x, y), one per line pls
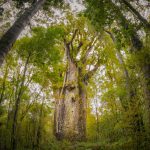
(66, 145)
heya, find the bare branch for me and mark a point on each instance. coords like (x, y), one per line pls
(89, 49)
(89, 74)
(73, 37)
(111, 35)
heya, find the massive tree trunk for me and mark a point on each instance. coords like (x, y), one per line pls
(71, 100)
(70, 114)
(9, 38)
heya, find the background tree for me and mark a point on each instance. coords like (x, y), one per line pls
(9, 38)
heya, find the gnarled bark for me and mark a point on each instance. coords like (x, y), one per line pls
(70, 113)
(71, 101)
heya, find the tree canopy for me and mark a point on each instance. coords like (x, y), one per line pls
(75, 79)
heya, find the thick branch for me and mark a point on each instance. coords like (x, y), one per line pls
(73, 37)
(67, 50)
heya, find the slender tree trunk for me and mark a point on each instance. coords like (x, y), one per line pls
(39, 127)
(129, 89)
(137, 46)
(136, 117)
(16, 109)
(145, 69)
(9, 38)
(146, 74)
(4, 85)
(97, 117)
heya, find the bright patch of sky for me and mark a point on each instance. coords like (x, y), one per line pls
(76, 5)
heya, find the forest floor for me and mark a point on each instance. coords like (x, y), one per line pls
(65, 145)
